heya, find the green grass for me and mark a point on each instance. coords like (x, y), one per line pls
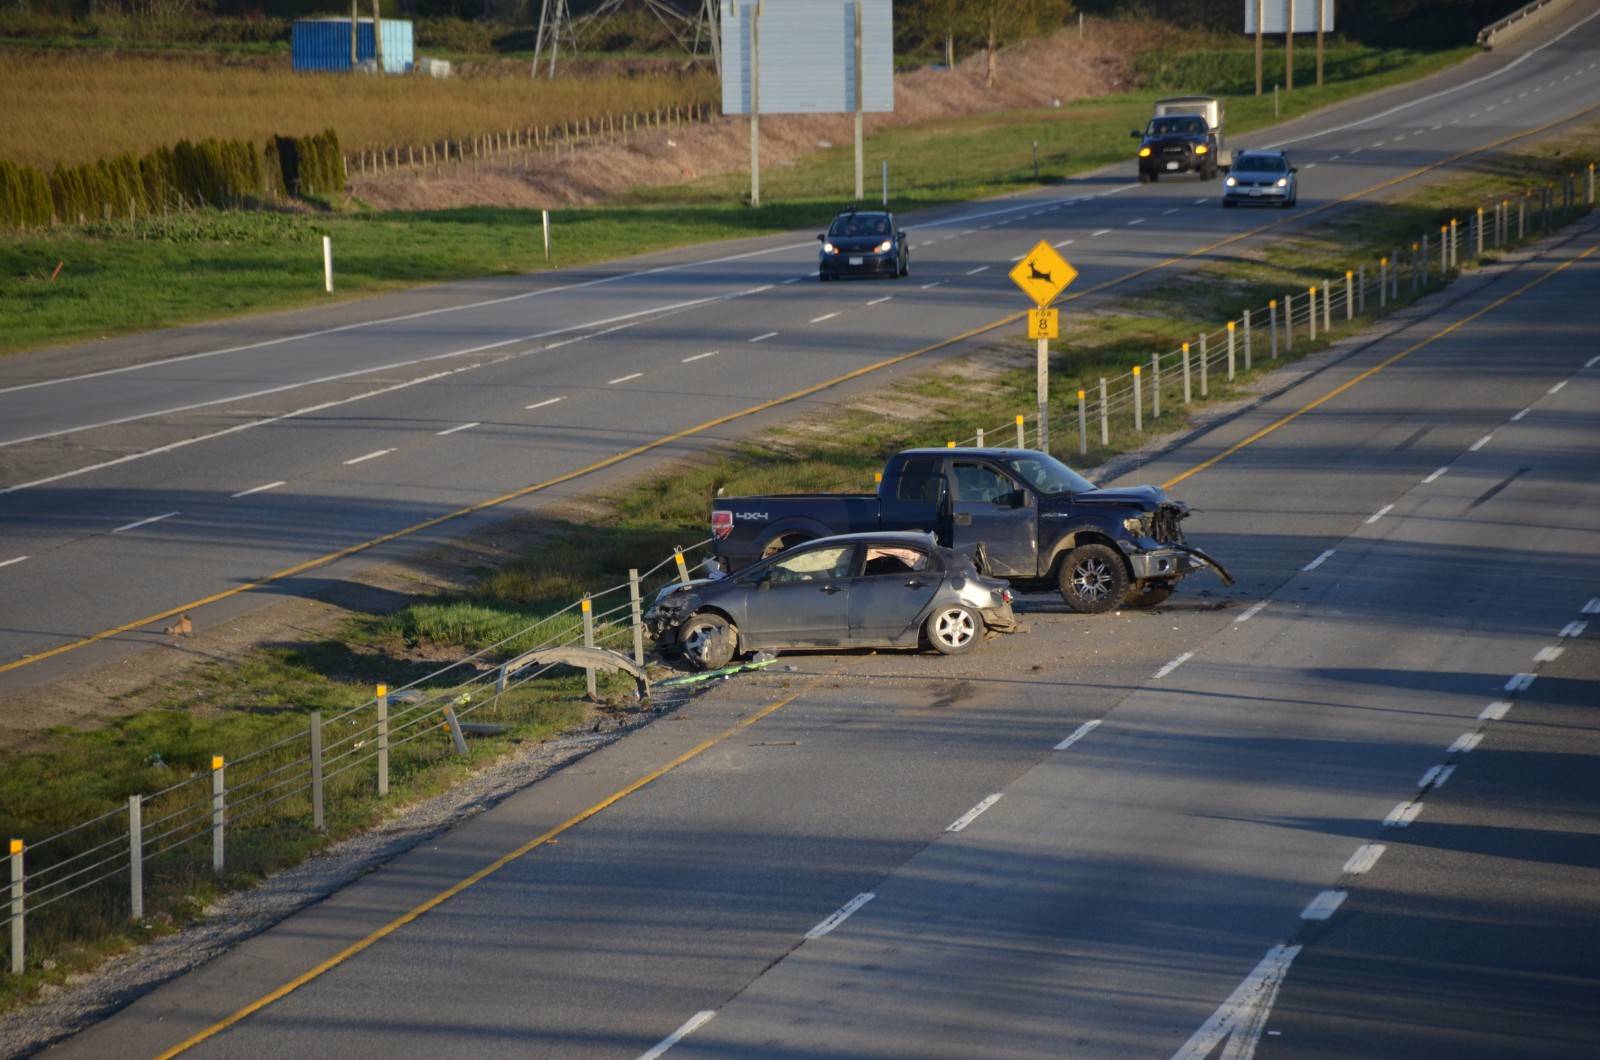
(119, 278)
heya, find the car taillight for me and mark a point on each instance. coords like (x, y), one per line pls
(1005, 596)
(721, 524)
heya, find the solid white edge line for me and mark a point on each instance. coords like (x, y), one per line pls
(1077, 734)
(973, 814)
(624, 378)
(144, 522)
(825, 316)
(14, 559)
(1365, 857)
(692, 1024)
(1435, 476)
(1324, 905)
(1495, 711)
(1319, 561)
(840, 915)
(257, 489)
(1174, 664)
(543, 404)
(1380, 513)
(1254, 610)
(370, 456)
(1466, 743)
(462, 427)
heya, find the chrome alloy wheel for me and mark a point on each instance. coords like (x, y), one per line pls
(954, 627)
(1092, 579)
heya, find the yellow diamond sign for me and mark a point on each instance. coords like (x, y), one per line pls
(1042, 274)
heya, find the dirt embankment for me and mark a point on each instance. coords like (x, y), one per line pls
(1040, 73)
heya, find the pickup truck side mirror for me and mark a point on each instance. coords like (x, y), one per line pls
(821, 238)
(1293, 169)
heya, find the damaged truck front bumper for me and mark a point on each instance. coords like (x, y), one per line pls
(1173, 561)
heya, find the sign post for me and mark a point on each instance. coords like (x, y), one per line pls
(1042, 275)
(860, 188)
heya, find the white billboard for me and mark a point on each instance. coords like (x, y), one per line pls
(808, 56)
(1275, 15)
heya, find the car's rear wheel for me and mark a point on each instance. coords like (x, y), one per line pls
(708, 641)
(1093, 579)
(953, 629)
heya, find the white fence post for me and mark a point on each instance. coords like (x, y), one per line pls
(886, 182)
(1288, 322)
(316, 770)
(980, 438)
(1022, 439)
(1083, 423)
(1230, 351)
(136, 856)
(1105, 416)
(18, 933)
(1155, 386)
(218, 811)
(638, 614)
(1188, 395)
(1361, 288)
(544, 217)
(1138, 401)
(383, 740)
(327, 263)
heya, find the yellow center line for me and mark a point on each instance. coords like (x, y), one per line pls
(677, 436)
(1375, 369)
(484, 873)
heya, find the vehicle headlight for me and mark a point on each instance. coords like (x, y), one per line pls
(1283, 182)
(1202, 149)
(1230, 182)
(1138, 525)
(884, 247)
(829, 248)
(1144, 152)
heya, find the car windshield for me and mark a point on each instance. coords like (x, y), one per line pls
(860, 225)
(1049, 475)
(1177, 126)
(1260, 164)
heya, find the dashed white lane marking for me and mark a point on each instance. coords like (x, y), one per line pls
(1240, 1020)
(1522, 95)
(1019, 257)
(1474, 114)
(542, 404)
(1519, 682)
(1201, 202)
(965, 232)
(1324, 905)
(462, 427)
(763, 338)
(1255, 609)
(840, 915)
(1309, 165)
(252, 489)
(880, 301)
(1480, 443)
(926, 243)
(1102, 232)
(1365, 857)
(1168, 213)
(19, 559)
(931, 286)
(1380, 513)
(144, 522)
(1063, 243)
(1521, 414)
(624, 378)
(792, 279)
(1174, 664)
(1136, 221)
(1403, 814)
(1574, 628)
(973, 814)
(1557, 388)
(984, 228)
(974, 272)
(1495, 711)
(825, 316)
(1319, 561)
(1334, 158)
(952, 235)
(1591, 362)
(693, 1024)
(370, 456)
(1380, 143)
(1549, 653)
(1355, 150)
(1435, 476)
(1435, 777)
(1077, 734)
(1466, 743)
(700, 356)
(1592, 607)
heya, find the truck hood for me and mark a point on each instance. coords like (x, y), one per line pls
(1133, 498)
(1174, 140)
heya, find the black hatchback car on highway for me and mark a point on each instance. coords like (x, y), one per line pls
(863, 243)
(893, 589)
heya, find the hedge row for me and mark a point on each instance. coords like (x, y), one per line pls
(211, 172)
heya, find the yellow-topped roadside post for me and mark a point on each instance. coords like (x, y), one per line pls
(1042, 275)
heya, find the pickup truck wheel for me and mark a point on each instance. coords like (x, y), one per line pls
(708, 641)
(953, 629)
(1144, 178)
(1093, 579)
(1151, 594)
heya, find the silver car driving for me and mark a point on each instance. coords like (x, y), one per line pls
(1261, 178)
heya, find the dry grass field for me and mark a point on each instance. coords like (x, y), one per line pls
(75, 108)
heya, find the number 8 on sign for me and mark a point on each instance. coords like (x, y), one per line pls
(1044, 323)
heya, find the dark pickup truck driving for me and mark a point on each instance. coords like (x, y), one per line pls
(1034, 521)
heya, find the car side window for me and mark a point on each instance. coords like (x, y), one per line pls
(813, 565)
(891, 560)
(980, 483)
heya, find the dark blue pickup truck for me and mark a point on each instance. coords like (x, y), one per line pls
(1028, 517)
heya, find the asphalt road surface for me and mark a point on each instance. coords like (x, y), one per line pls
(143, 476)
(1114, 836)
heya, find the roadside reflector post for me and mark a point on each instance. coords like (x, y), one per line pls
(635, 605)
(1230, 351)
(1247, 356)
(1311, 317)
(18, 935)
(1188, 395)
(1327, 310)
(1349, 295)
(1418, 264)
(218, 811)
(1205, 369)
(1455, 245)
(683, 568)
(1272, 326)
(1022, 440)
(544, 218)
(1477, 223)
(877, 478)
(1155, 386)
(1588, 184)
(136, 857)
(587, 607)
(1522, 216)
(1288, 322)
(327, 263)
(1361, 288)
(1394, 278)
(1035, 155)
(980, 437)
(1105, 417)
(886, 182)
(949, 445)
(1083, 423)
(1138, 401)
(383, 739)
(316, 770)
(1383, 283)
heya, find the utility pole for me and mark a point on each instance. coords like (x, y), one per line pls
(377, 34)
(755, 105)
(1261, 8)
(1288, 46)
(1322, 18)
(355, 31)
(860, 189)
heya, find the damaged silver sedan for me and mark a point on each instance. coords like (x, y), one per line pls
(875, 590)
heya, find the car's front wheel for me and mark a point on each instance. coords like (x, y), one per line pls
(953, 629)
(1093, 579)
(708, 641)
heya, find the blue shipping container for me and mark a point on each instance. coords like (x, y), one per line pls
(323, 44)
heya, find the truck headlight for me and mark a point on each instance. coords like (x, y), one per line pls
(1202, 149)
(829, 248)
(884, 247)
(1138, 525)
(1283, 182)
(1144, 152)
(1230, 182)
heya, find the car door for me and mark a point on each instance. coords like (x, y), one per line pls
(989, 506)
(801, 598)
(893, 584)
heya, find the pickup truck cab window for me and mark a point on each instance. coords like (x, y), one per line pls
(980, 483)
(817, 564)
(1049, 475)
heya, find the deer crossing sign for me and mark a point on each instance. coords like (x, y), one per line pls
(1042, 274)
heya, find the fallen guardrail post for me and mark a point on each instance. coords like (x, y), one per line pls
(453, 723)
(585, 658)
